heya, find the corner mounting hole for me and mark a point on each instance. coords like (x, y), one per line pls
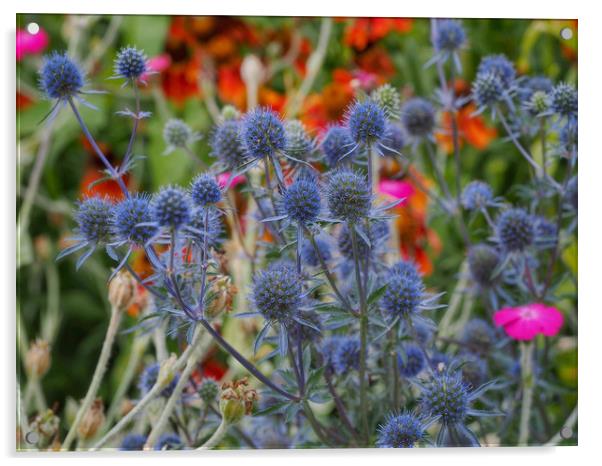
(566, 33)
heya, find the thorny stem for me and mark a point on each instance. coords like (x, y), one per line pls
(128, 152)
(97, 149)
(363, 336)
(341, 407)
(99, 372)
(328, 274)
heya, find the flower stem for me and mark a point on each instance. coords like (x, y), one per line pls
(99, 373)
(363, 336)
(191, 363)
(219, 434)
(528, 381)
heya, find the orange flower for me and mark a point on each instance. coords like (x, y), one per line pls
(230, 86)
(471, 128)
(362, 32)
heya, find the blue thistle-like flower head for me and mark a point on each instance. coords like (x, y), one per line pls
(564, 100)
(348, 195)
(130, 63)
(169, 441)
(60, 77)
(262, 133)
(449, 35)
(478, 335)
(403, 296)
(278, 293)
(94, 219)
(208, 390)
(487, 90)
(418, 117)
(482, 262)
(177, 134)
(366, 122)
(347, 355)
(226, 145)
(410, 361)
(171, 208)
(446, 396)
(546, 232)
(301, 201)
(406, 269)
(128, 216)
(133, 442)
(515, 230)
(204, 190)
(400, 431)
(148, 378)
(499, 66)
(309, 255)
(476, 195)
(338, 144)
(215, 227)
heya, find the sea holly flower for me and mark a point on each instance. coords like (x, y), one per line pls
(500, 66)
(410, 361)
(448, 37)
(366, 122)
(527, 321)
(347, 355)
(348, 195)
(418, 117)
(445, 398)
(564, 100)
(61, 78)
(477, 195)
(298, 143)
(130, 64)
(404, 430)
(226, 145)
(94, 227)
(171, 208)
(262, 133)
(178, 135)
(205, 190)
(483, 261)
(337, 145)
(515, 230)
(301, 201)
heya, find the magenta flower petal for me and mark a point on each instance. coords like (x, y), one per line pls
(30, 44)
(396, 189)
(525, 322)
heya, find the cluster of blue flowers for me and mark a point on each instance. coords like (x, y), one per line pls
(340, 309)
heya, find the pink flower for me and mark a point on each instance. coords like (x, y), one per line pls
(222, 180)
(30, 44)
(156, 65)
(396, 189)
(525, 322)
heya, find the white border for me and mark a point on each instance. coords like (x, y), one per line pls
(590, 234)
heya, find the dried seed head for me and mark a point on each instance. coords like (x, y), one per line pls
(92, 421)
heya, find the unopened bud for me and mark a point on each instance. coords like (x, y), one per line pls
(92, 420)
(251, 70)
(122, 291)
(37, 359)
(236, 400)
(222, 293)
